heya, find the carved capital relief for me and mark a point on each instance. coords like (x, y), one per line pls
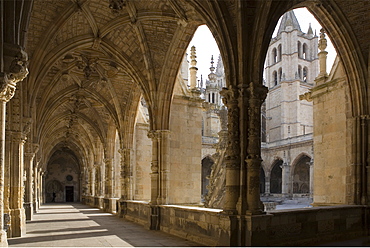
(15, 70)
(107, 161)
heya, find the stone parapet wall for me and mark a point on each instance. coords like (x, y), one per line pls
(296, 227)
(306, 227)
(204, 226)
(137, 211)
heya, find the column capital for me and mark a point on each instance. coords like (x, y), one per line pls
(230, 95)
(157, 134)
(257, 91)
(15, 70)
(107, 160)
(31, 149)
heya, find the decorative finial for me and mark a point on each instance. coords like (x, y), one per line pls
(212, 68)
(310, 30)
(322, 42)
(193, 69)
(322, 54)
(193, 56)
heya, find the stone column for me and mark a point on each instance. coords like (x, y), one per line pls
(36, 188)
(256, 94)
(92, 180)
(232, 158)
(17, 212)
(154, 193)
(108, 178)
(29, 156)
(125, 174)
(13, 69)
(163, 154)
(285, 179)
(160, 167)
(159, 175)
(110, 201)
(311, 178)
(267, 183)
(42, 187)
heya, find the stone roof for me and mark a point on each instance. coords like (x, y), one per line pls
(288, 19)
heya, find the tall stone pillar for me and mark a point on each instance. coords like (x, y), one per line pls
(13, 69)
(100, 180)
(17, 212)
(311, 178)
(232, 159)
(154, 175)
(160, 166)
(29, 156)
(125, 165)
(42, 187)
(108, 178)
(160, 173)
(285, 180)
(256, 94)
(36, 187)
(92, 181)
(267, 183)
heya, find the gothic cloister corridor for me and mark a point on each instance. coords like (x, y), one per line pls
(77, 225)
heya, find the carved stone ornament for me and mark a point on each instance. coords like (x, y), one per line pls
(230, 99)
(117, 5)
(15, 70)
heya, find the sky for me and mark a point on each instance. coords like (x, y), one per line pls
(206, 45)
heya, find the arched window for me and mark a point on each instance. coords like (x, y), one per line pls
(207, 163)
(274, 56)
(275, 77)
(301, 175)
(279, 53)
(209, 97)
(299, 49)
(305, 51)
(280, 74)
(213, 97)
(305, 73)
(300, 72)
(276, 178)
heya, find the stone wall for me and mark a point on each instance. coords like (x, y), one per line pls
(298, 227)
(136, 211)
(306, 227)
(143, 158)
(185, 147)
(202, 225)
(332, 142)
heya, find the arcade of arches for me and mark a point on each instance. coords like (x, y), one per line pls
(74, 74)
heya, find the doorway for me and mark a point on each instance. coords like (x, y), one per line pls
(69, 193)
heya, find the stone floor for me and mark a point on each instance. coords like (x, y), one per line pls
(77, 225)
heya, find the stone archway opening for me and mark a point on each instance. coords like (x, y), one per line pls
(207, 163)
(62, 181)
(301, 176)
(276, 177)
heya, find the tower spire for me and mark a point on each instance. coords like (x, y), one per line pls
(310, 32)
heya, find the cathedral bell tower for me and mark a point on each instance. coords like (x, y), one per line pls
(291, 67)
